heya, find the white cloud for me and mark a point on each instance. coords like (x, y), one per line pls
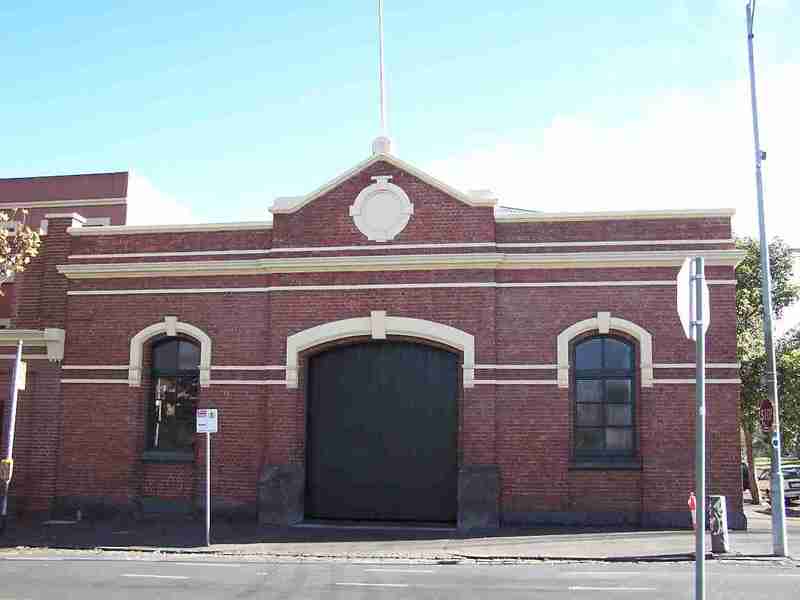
(147, 205)
(683, 150)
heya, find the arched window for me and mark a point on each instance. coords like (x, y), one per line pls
(603, 392)
(171, 409)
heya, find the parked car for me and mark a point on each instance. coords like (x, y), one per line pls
(791, 482)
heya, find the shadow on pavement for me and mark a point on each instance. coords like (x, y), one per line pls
(172, 532)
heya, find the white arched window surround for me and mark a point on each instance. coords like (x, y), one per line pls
(378, 325)
(170, 326)
(603, 323)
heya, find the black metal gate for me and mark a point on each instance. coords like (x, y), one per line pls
(382, 433)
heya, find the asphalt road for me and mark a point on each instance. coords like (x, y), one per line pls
(129, 576)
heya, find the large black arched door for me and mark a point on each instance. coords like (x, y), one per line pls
(382, 433)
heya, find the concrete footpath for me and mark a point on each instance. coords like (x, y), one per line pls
(244, 538)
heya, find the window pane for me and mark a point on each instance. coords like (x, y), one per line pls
(588, 439)
(590, 414)
(618, 355)
(619, 414)
(588, 354)
(619, 438)
(588, 390)
(188, 355)
(172, 413)
(618, 390)
(165, 356)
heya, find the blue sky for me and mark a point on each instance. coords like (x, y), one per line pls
(224, 105)
(221, 106)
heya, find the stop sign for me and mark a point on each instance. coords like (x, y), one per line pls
(765, 415)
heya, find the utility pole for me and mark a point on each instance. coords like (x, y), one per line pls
(779, 543)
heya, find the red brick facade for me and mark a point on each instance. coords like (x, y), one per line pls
(512, 280)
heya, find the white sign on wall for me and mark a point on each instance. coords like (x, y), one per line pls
(207, 420)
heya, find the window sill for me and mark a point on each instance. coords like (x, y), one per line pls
(168, 456)
(628, 464)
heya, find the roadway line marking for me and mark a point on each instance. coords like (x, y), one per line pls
(398, 571)
(200, 564)
(35, 558)
(580, 588)
(356, 584)
(154, 576)
(602, 573)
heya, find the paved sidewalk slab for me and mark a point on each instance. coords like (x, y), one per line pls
(245, 538)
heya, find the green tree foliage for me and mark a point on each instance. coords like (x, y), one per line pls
(789, 389)
(750, 337)
(18, 243)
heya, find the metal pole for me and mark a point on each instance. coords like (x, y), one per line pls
(700, 431)
(779, 542)
(9, 445)
(208, 489)
(384, 127)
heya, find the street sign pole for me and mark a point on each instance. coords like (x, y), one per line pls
(779, 541)
(208, 423)
(8, 455)
(700, 428)
(208, 488)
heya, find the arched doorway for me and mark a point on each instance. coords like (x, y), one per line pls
(382, 432)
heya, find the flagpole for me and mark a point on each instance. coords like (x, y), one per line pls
(384, 125)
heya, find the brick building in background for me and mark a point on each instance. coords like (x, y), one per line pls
(386, 348)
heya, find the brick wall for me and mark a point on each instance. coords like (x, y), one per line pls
(98, 435)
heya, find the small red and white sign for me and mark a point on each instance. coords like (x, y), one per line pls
(765, 415)
(207, 420)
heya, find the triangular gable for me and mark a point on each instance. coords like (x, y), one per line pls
(290, 204)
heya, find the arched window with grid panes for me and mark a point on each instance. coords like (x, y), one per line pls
(604, 399)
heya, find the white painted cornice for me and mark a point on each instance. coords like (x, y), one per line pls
(132, 229)
(291, 204)
(405, 262)
(420, 246)
(543, 217)
(66, 203)
(50, 338)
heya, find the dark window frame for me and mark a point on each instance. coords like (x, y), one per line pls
(605, 458)
(181, 454)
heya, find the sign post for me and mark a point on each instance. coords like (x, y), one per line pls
(207, 423)
(7, 462)
(695, 315)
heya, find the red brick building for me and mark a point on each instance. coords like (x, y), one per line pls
(385, 348)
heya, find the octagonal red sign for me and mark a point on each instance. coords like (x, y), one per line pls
(765, 415)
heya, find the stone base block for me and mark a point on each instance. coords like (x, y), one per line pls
(478, 497)
(281, 490)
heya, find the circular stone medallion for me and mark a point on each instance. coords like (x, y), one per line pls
(382, 210)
